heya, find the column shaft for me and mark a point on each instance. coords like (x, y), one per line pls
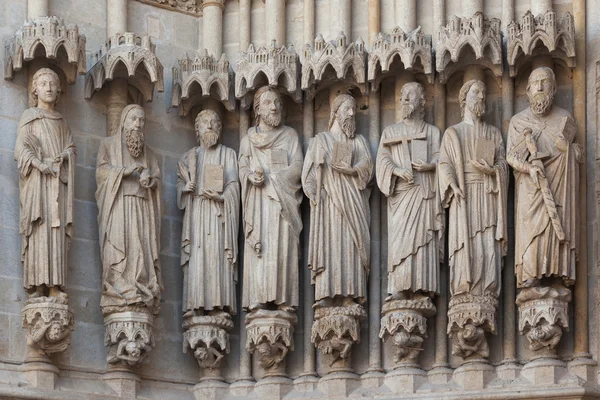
(37, 8)
(275, 20)
(212, 27)
(116, 17)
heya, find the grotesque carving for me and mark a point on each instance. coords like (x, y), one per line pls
(207, 336)
(406, 170)
(270, 335)
(339, 55)
(270, 164)
(473, 181)
(337, 170)
(49, 323)
(478, 33)
(209, 192)
(129, 336)
(128, 196)
(545, 159)
(52, 34)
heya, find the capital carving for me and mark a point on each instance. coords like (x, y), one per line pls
(207, 336)
(129, 336)
(270, 335)
(212, 3)
(49, 323)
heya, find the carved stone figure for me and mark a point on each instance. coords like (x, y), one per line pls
(270, 164)
(209, 192)
(45, 155)
(406, 174)
(337, 170)
(473, 181)
(545, 159)
(128, 196)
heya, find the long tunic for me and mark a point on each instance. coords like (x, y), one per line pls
(477, 225)
(271, 217)
(129, 225)
(539, 253)
(415, 215)
(339, 246)
(210, 229)
(46, 206)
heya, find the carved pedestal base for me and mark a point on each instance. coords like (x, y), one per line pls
(270, 335)
(339, 384)
(334, 331)
(373, 379)
(543, 311)
(129, 336)
(544, 371)
(42, 375)
(126, 384)
(440, 374)
(405, 321)
(49, 324)
(508, 371)
(273, 387)
(474, 375)
(210, 390)
(405, 379)
(207, 336)
(469, 318)
(306, 383)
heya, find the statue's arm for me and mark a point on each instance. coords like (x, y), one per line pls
(516, 150)
(309, 171)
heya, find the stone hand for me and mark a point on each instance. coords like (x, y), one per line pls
(422, 166)
(47, 170)
(562, 144)
(483, 166)
(256, 179)
(535, 173)
(578, 152)
(213, 195)
(457, 192)
(404, 174)
(342, 169)
(61, 157)
(135, 167)
(189, 187)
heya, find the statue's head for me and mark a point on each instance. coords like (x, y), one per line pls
(133, 349)
(343, 110)
(208, 128)
(55, 331)
(541, 88)
(472, 98)
(45, 86)
(201, 353)
(268, 106)
(470, 332)
(133, 119)
(412, 100)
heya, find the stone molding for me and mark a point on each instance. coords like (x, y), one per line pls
(131, 51)
(338, 54)
(208, 73)
(189, 7)
(52, 34)
(478, 33)
(409, 47)
(556, 34)
(209, 3)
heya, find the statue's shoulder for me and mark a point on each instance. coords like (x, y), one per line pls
(289, 131)
(393, 130)
(28, 116)
(558, 112)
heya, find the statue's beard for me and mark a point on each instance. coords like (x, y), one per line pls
(209, 139)
(272, 120)
(135, 142)
(349, 126)
(540, 102)
(406, 111)
(477, 108)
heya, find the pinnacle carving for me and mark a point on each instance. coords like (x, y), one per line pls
(273, 66)
(413, 49)
(130, 51)
(51, 34)
(213, 77)
(557, 36)
(339, 55)
(479, 34)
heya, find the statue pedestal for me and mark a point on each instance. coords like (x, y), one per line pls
(544, 371)
(440, 374)
(583, 367)
(270, 335)
(405, 379)
(210, 389)
(129, 336)
(122, 381)
(207, 336)
(474, 375)
(508, 371)
(373, 378)
(242, 387)
(306, 383)
(339, 384)
(273, 387)
(42, 375)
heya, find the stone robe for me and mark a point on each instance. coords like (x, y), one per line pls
(538, 252)
(129, 223)
(339, 244)
(415, 215)
(271, 217)
(477, 225)
(210, 228)
(46, 206)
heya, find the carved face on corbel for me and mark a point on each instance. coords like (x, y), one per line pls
(46, 87)
(412, 100)
(541, 88)
(208, 128)
(270, 108)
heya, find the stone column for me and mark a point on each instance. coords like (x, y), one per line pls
(541, 6)
(37, 8)
(116, 23)
(275, 22)
(470, 7)
(212, 26)
(340, 18)
(406, 19)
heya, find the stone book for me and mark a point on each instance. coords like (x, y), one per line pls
(342, 154)
(419, 150)
(214, 177)
(485, 149)
(278, 159)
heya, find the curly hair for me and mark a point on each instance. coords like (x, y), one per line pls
(462, 95)
(41, 72)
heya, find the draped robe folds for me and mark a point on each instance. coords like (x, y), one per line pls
(339, 247)
(477, 225)
(210, 229)
(46, 206)
(415, 215)
(271, 218)
(538, 252)
(129, 224)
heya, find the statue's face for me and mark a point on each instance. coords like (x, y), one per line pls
(46, 88)
(540, 90)
(410, 101)
(135, 120)
(133, 349)
(54, 333)
(208, 128)
(476, 99)
(345, 116)
(270, 108)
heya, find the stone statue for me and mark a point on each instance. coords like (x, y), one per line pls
(545, 159)
(473, 182)
(209, 192)
(270, 163)
(45, 155)
(337, 170)
(406, 174)
(128, 196)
